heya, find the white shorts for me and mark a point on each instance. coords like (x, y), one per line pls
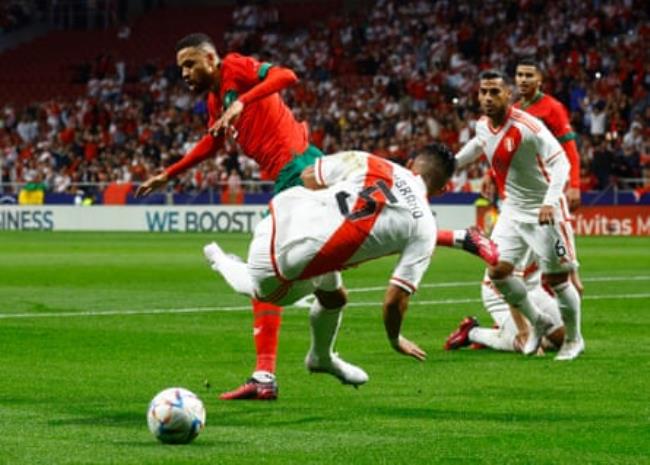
(268, 287)
(552, 244)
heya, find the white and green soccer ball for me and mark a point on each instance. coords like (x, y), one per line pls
(176, 416)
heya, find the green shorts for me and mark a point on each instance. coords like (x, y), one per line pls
(289, 175)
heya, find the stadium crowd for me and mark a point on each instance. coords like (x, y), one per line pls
(386, 80)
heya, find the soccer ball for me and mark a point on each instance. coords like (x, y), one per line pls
(176, 416)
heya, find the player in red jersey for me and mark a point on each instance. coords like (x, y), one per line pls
(528, 78)
(244, 104)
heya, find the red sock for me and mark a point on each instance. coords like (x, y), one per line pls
(266, 329)
(445, 238)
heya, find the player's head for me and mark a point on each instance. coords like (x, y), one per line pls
(197, 57)
(493, 93)
(436, 164)
(528, 77)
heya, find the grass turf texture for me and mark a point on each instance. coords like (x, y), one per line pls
(74, 389)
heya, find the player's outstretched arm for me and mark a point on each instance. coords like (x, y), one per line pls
(395, 306)
(152, 184)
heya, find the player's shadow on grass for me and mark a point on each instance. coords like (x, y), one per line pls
(119, 419)
(504, 417)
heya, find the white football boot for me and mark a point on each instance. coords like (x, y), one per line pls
(214, 255)
(336, 366)
(538, 330)
(570, 350)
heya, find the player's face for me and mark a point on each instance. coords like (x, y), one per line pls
(198, 68)
(528, 80)
(494, 96)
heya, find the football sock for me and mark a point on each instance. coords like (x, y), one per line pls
(514, 292)
(449, 238)
(262, 376)
(568, 300)
(236, 274)
(324, 324)
(266, 331)
(492, 338)
(445, 238)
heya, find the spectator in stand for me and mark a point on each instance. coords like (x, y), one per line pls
(402, 62)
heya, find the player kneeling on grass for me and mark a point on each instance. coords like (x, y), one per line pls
(531, 170)
(511, 329)
(354, 207)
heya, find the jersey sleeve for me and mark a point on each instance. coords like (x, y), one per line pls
(413, 263)
(470, 152)
(242, 72)
(553, 163)
(559, 124)
(339, 167)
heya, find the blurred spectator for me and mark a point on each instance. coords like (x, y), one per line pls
(389, 79)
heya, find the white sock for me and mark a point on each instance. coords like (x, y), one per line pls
(263, 376)
(459, 238)
(515, 293)
(568, 300)
(236, 274)
(324, 325)
(492, 338)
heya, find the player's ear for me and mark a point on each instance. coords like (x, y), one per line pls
(409, 163)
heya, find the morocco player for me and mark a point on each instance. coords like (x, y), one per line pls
(243, 102)
(354, 207)
(554, 115)
(531, 170)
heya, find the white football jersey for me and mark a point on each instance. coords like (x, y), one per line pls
(369, 208)
(529, 163)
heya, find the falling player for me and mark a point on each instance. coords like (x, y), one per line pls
(354, 207)
(531, 170)
(243, 101)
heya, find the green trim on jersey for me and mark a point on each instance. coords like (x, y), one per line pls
(229, 97)
(567, 137)
(264, 70)
(536, 98)
(289, 175)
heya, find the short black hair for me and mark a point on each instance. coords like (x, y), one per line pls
(528, 60)
(493, 74)
(194, 40)
(440, 156)
(444, 156)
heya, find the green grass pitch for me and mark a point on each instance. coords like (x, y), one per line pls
(93, 325)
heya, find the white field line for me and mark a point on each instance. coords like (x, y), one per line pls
(476, 283)
(247, 308)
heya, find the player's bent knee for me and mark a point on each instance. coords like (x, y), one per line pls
(501, 270)
(555, 279)
(332, 299)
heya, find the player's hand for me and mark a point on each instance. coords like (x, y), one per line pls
(406, 347)
(573, 196)
(488, 186)
(228, 119)
(308, 178)
(577, 282)
(151, 184)
(546, 215)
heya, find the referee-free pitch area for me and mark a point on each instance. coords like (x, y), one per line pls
(93, 325)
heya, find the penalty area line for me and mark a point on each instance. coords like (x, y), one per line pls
(242, 308)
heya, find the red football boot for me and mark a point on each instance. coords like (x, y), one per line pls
(254, 389)
(479, 244)
(460, 337)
